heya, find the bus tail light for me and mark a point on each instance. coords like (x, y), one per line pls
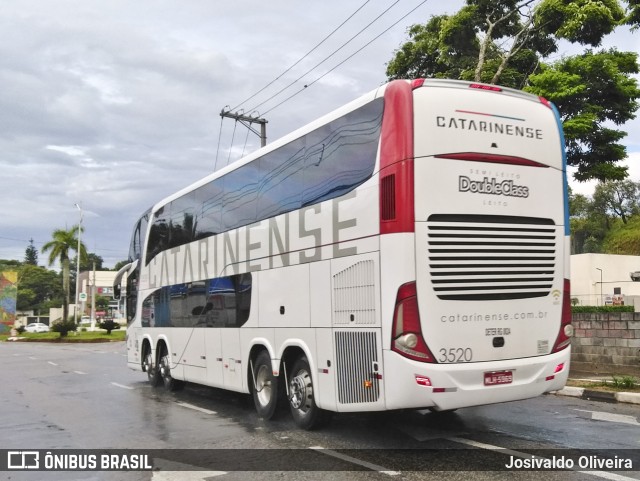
(492, 88)
(566, 329)
(407, 331)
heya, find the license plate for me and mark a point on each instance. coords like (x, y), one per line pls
(500, 377)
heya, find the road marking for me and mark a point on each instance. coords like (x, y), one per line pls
(195, 408)
(165, 470)
(79, 372)
(52, 363)
(518, 454)
(612, 417)
(359, 462)
(121, 385)
(33, 358)
(185, 475)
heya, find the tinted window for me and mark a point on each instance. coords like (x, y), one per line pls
(341, 155)
(209, 209)
(182, 220)
(326, 163)
(240, 194)
(159, 232)
(219, 302)
(138, 237)
(132, 294)
(282, 178)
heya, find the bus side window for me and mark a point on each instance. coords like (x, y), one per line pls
(131, 294)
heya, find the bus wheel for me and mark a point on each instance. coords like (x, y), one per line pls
(265, 386)
(301, 399)
(153, 374)
(170, 384)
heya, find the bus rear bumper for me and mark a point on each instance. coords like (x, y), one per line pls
(410, 384)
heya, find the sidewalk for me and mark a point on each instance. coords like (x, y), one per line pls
(610, 396)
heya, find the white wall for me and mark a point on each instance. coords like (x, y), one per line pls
(615, 269)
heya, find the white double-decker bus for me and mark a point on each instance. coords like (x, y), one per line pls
(409, 250)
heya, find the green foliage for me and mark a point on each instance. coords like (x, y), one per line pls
(430, 53)
(9, 265)
(109, 325)
(64, 327)
(624, 382)
(580, 21)
(38, 288)
(607, 223)
(623, 239)
(591, 91)
(102, 302)
(596, 309)
(617, 199)
(31, 254)
(60, 246)
(119, 265)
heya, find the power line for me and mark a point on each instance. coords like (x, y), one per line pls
(301, 58)
(330, 55)
(348, 58)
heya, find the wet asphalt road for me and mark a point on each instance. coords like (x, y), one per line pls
(65, 396)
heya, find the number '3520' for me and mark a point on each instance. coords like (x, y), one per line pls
(456, 354)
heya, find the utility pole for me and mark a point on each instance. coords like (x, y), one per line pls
(93, 299)
(247, 120)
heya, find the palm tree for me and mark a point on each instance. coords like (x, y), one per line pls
(63, 242)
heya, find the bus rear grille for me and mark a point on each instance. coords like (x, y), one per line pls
(356, 354)
(478, 257)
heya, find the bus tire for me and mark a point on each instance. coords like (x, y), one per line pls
(265, 386)
(151, 368)
(170, 384)
(302, 402)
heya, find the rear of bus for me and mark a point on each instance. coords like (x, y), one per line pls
(484, 316)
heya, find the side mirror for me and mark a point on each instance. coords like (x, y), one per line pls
(117, 282)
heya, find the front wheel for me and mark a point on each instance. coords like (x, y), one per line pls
(301, 397)
(265, 386)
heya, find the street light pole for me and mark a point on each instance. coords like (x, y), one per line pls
(75, 311)
(601, 299)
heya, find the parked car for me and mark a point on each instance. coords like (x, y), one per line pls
(85, 320)
(36, 327)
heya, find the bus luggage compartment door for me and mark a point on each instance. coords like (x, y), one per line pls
(358, 369)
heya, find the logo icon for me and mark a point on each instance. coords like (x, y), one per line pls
(23, 460)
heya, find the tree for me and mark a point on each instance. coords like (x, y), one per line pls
(38, 288)
(109, 325)
(87, 263)
(506, 41)
(31, 254)
(588, 228)
(619, 199)
(91, 260)
(119, 265)
(483, 39)
(63, 242)
(592, 91)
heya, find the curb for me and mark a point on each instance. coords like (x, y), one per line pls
(603, 396)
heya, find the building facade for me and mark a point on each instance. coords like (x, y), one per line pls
(604, 279)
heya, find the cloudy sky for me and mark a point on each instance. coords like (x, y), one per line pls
(115, 104)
